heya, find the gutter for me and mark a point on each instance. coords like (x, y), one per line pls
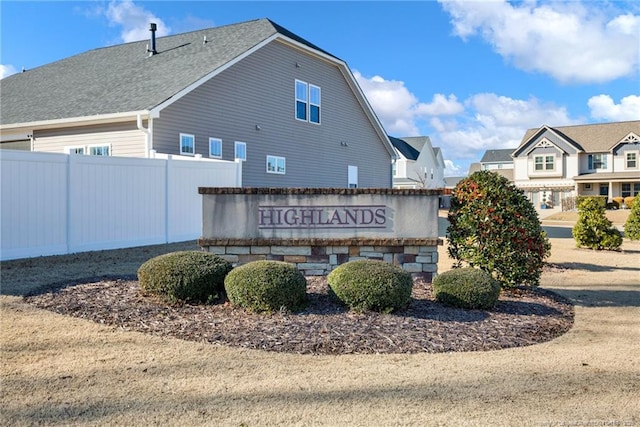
(147, 135)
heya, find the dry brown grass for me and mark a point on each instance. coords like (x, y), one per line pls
(58, 370)
(618, 217)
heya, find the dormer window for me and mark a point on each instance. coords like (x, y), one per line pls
(631, 160)
(544, 163)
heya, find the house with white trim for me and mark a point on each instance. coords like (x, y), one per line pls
(499, 161)
(254, 92)
(418, 164)
(552, 163)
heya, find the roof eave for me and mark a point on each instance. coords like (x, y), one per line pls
(80, 121)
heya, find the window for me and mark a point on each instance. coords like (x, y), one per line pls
(74, 150)
(544, 163)
(631, 160)
(604, 189)
(240, 151)
(597, 161)
(394, 168)
(308, 99)
(215, 148)
(587, 186)
(276, 164)
(630, 189)
(187, 144)
(314, 104)
(99, 150)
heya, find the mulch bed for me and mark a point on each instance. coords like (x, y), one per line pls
(522, 317)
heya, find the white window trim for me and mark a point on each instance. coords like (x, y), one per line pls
(184, 153)
(307, 102)
(89, 147)
(296, 100)
(69, 149)
(319, 105)
(274, 160)
(215, 156)
(544, 163)
(626, 164)
(235, 150)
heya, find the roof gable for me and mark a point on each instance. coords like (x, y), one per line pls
(406, 150)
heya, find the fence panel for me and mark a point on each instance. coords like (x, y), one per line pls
(33, 204)
(56, 204)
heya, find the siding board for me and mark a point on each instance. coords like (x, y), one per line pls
(259, 90)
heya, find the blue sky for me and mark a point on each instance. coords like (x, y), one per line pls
(472, 75)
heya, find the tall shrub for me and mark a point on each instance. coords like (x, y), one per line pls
(632, 225)
(593, 229)
(493, 226)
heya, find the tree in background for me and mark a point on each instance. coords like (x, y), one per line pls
(593, 229)
(632, 225)
(493, 226)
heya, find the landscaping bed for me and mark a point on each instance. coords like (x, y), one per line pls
(522, 317)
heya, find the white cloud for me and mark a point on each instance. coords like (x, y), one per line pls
(450, 169)
(6, 70)
(463, 130)
(571, 41)
(603, 107)
(134, 21)
(398, 109)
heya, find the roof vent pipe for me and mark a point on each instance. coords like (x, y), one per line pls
(152, 51)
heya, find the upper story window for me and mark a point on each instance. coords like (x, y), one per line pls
(308, 101)
(187, 144)
(215, 148)
(544, 163)
(597, 161)
(631, 160)
(240, 151)
(276, 164)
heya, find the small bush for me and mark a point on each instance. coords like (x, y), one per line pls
(267, 286)
(184, 276)
(593, 229)
(371, 285)
(632, 225)
(467, 287)
(618, 201)
(629, 201)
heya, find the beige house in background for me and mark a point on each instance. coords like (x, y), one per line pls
(552, 163)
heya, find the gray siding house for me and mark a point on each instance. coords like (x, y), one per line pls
(253, 91)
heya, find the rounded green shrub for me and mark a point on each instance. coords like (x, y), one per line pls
(184, 276)
(632, 224)
(371, 285)
(593, 229)
(493, 226)
(467, 287)
(267, 286)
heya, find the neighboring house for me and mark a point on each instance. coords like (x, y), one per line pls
(552, 163)
(499, 161)
(251, 91)
(418, 164)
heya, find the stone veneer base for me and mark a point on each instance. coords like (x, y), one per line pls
(318, 257)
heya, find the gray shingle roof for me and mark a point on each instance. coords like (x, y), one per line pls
(124, 78)
(498, 156)
(594, 138)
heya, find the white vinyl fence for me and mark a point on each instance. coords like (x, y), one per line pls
(53, 204)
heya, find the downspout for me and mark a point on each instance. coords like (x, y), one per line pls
(147, 135)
